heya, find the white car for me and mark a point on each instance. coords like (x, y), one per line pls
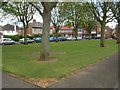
(70, 38)
(6, 41)
(28, 40)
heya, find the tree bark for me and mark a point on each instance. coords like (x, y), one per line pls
(118, 34)
(25, 34)
(89, 35)
(45, 36)
(56, 36)
(76, 33)
(102, 34)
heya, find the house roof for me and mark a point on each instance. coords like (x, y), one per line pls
(8, 27)
(66, 28)
(21, 28)
(36, 24)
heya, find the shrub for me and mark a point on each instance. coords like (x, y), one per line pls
(38, 35)
(15, 38)
(51, 35)
(59, 35)
(31, 37)
(20, 36)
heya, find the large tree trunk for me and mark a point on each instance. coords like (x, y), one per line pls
(102, 34)
(76, 34)
(45, 36)
(89, 35)
(25, 34)
(118, 33)
(56, 36)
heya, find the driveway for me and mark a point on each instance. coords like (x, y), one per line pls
(101, 75)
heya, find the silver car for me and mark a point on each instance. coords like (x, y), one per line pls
(6, 41)
(28, 40)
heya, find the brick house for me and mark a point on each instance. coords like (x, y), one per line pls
(34, 28)
(66, 32)
(69, 32)
(108, 32)
(82, 33)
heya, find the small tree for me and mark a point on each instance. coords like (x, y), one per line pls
(101, 12)
(88, 21)
(74, 15)
(23, 11)
(57, 19)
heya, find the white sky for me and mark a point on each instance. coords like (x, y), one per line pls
(38, 18)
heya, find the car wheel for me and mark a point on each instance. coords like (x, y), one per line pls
(3, 44)
(13, 43)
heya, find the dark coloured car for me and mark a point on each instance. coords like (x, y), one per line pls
(38, 39)
(97, 38)
(61, 39)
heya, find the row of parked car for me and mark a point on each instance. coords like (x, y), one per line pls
(39, 39)
(5, 41)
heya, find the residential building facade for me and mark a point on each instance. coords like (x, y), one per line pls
(70, 32)
(34, 28)
(9, 30)
(66, 32)
(108, 32)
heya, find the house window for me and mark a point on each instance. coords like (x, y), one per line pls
(40, 30)
(67, 31)
(79, 35)
(34, 30)
(79, 30)
(8, 31)
(70, 31)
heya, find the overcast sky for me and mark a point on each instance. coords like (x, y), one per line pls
(38, 18)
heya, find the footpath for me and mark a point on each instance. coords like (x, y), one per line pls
(100, 75)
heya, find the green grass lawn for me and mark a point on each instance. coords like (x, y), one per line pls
(18, 59)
